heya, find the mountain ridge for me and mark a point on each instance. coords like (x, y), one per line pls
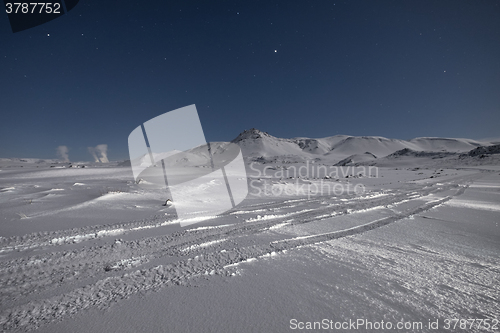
(262, 145)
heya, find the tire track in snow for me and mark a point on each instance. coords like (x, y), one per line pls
(111, 289)
(50, 271)
(307, 240)
(80, 235)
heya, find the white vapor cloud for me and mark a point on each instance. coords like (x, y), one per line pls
(94, 155)
(100, 150)
(62, 152)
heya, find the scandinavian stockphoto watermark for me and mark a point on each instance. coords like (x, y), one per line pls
(309, 180)
(361, 324)
(436, 324)
(169, 153)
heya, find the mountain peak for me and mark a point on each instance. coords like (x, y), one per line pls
(252, 133)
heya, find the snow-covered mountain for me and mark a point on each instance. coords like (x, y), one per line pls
(258, 145)
(338, 150)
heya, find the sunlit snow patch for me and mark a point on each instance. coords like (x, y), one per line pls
(474, 205)
(279, 225)
(202, 245)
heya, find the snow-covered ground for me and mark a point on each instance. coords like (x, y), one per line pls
(88, 250)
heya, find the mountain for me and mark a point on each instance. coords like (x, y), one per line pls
(340, 150)
(446, 144)
(483, 155)
(255, 143)
(261, 146)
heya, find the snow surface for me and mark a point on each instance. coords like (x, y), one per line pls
(88, 250)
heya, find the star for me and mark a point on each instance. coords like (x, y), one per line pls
(275, 51)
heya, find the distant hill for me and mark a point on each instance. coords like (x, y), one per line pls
(343, 149)
(479, 151)
(340, 150)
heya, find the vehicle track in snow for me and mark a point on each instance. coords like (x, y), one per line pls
(41, 288)
(79, 235)
(82, 263)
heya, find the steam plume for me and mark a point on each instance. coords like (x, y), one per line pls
(94, 155)
(62, 152)
(102, 151)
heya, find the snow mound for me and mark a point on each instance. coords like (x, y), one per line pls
(356, 158)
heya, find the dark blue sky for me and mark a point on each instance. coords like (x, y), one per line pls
(399, 69)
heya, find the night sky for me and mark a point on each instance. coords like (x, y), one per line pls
(398, 69)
